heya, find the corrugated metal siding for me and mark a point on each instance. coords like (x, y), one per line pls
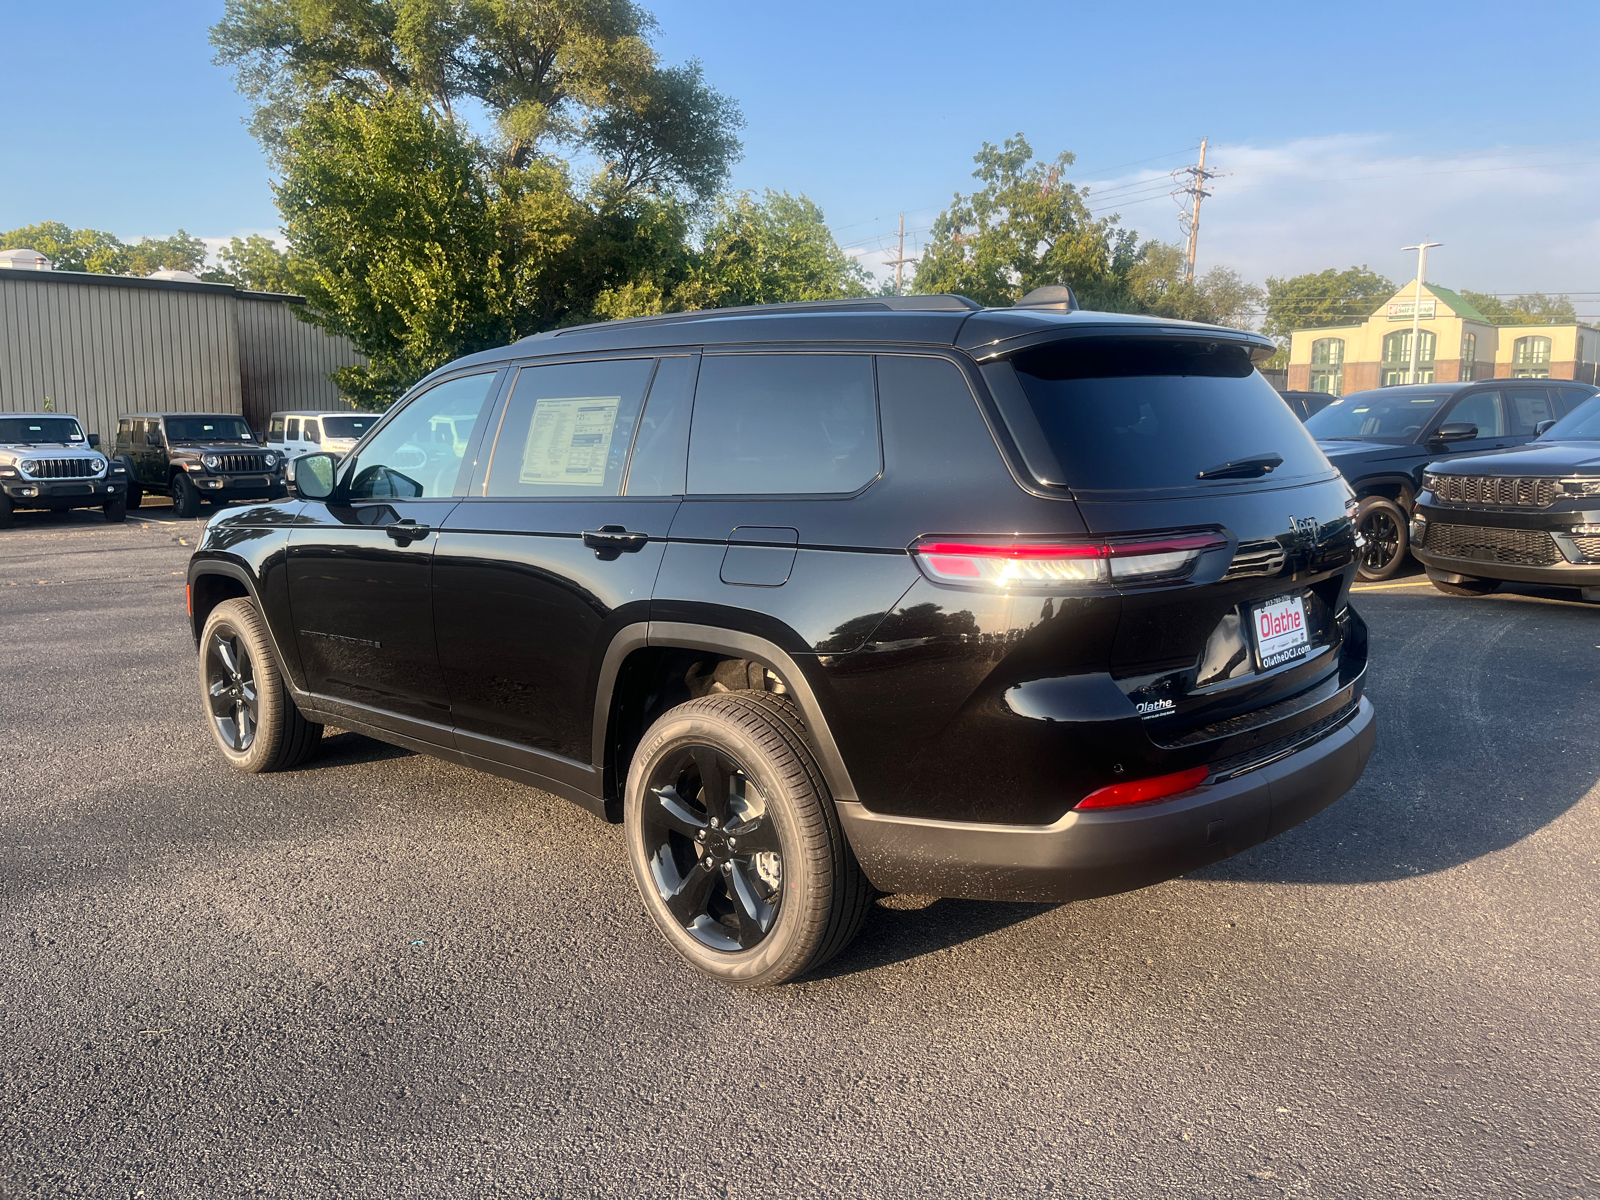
(284, 362)
(100, 347)
(98, 350)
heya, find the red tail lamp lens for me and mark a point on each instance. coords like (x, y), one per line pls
(1006, 563)
(1143, 791)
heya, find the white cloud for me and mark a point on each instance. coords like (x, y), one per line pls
(1512, 219)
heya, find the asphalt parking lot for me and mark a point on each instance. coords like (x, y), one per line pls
(384, 975)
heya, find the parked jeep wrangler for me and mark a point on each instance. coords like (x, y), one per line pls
(47, 462)
(195, 457)
(899, 594)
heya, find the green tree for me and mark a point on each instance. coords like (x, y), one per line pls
(1027, 227)
(1533, 308)
(104, 253)
(1153, 283)
(256, 264)
(769, 251)
(1323, 298)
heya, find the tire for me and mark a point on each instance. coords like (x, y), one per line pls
(135, 495)
(1381, 522)
(117, 510)
(7, 516)
(1467, 586)
(786, 901)
(252, 718)
(185, 497)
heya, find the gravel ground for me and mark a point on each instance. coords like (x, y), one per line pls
(385, 975)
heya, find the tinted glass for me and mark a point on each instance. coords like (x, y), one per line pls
(347, 427)
(208, 429)
(567, 429)
(782, 424)
(1483, 409)
(20, 430)
(660, 452)
(1376, 416)
(1582, 422)
(1154, 413)
(418, 454)
(1528, 406)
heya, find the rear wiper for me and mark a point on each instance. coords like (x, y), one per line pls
(1243, 468)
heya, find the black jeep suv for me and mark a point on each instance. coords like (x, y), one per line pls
(899, 594)
(1381, 439)
(196, 456)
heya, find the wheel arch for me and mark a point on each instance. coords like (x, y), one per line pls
(1402, 489)
(640, 657)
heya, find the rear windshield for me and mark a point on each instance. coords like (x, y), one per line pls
(208, 429)
(1376, 416)
(1140, 413)
(347, 427)
(26, 430)
(1581, 424)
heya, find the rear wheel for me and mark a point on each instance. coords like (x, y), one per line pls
(735, 843)
(252, 717)
(1464, 585)
(1383, 526)
(185, 497)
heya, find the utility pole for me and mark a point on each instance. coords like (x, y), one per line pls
(899, 261)
(1416, 304)
(1197, 188)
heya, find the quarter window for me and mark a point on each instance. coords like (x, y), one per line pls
(418, 453)
(567, 429)
(275, 430)
(784, 424)
(310, 434)
(1327, 366)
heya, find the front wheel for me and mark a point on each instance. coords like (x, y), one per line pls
(135, 495)
(7, 517)
(185, 497)
(252, 717)
(1383, 527)
(735, 844)
(116, 511)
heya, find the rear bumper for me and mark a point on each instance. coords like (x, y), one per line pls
(1100, 853)
(63, 493)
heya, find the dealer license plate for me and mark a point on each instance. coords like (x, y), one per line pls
(248, 481)
(1281, 633)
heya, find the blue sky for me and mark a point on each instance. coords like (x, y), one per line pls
(1347, 136)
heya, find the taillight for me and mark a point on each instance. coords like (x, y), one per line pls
(1145, 791)
(1035, 564)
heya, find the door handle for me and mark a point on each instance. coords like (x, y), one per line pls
(407, 531)
(611, 540)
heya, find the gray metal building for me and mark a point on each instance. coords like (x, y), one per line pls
(99, 345)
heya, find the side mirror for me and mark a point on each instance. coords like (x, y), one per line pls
(1456, 431)
(313, 476)
(1542, 427)
(94, 441)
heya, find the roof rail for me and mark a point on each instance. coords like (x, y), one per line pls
(938, 303)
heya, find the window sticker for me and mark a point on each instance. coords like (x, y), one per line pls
(569, 440)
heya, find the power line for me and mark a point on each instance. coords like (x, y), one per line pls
(1198, 178)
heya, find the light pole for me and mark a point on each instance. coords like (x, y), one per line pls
(1416, 304)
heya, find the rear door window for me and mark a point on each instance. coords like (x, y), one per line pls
(1528, 407)
(567, 429)
(784, 424)
(1133, 413)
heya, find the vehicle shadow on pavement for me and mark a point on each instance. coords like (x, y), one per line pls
(905, 927)
(341, 748)
(1485, 736)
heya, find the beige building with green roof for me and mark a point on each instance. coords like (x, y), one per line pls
(1455, 342)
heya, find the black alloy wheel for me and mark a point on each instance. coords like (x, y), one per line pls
(1382, 526)
(116, 510)
(715, 858)
(231, 689)
(185, 497)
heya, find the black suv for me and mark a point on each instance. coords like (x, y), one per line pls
(1530, 515)
(1382, 439)
(898, 594)
(196, 456)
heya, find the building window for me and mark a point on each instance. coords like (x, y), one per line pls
(1530, 358)
(1327, 366)
(1469, 356)
(1397, 358)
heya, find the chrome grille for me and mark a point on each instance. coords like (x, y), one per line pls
(242, 462)
(1525, 547)
(1506, 491)
(1589, 547)
(62, 468)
